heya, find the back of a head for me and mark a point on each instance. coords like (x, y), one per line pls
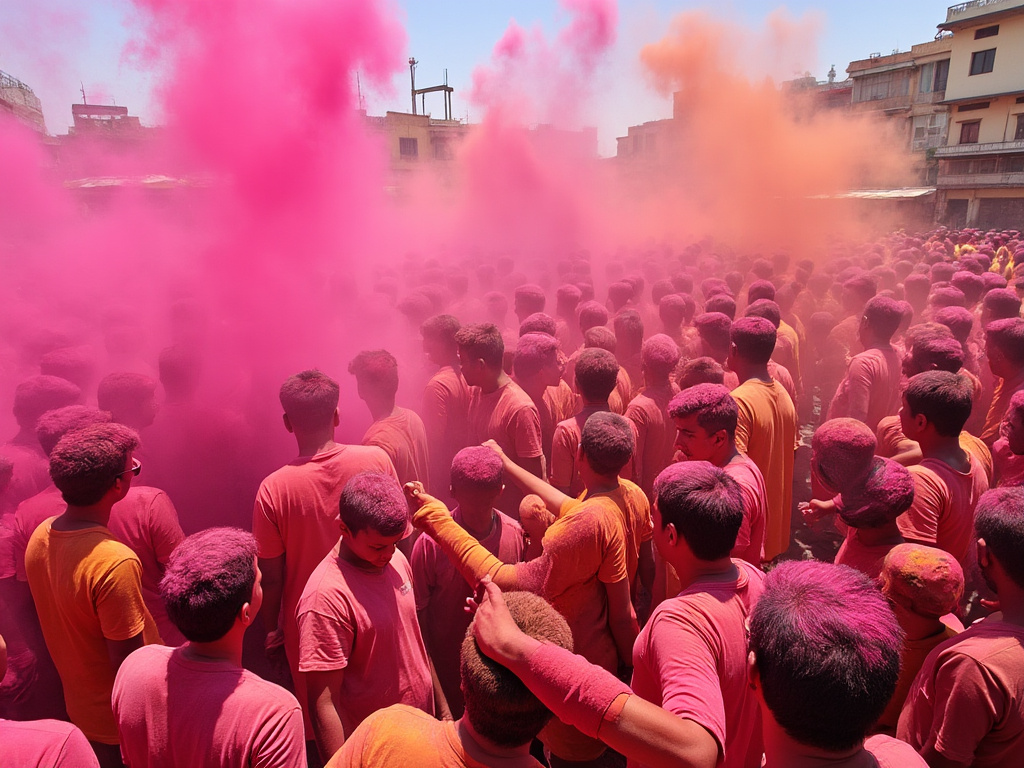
(970, 284)
(629, 329)
(722, 302)
(713, 405)
(567, 298)
(309, 399)
(75, 364)
(441, 329)
(620, 293)
(943, 398)
(999, 520)
(39, 394)
(714, 329)
(209, 577)
(883, 315)
(827, 650)
(529, 299)
(124, 392)
(482, 341)
(498, 705)
(885, 493)
(1001, 303)
(538, 322)
(600, 337)
(946, 296)
(859, 290)
(592, 314)
(937, 354)
(841, 452)
(754, 339)
(659, 356)
(85, 462)
(607, 442)
(674, 309)
(533, 352)
(700, 370)
(959, 320)
(767, 309)
(374, 501)
(1008, 337)
(53, 425)
(703, 503)
(377, 370)
(597, 372)
(476, 470)
(926, 581)
(179, 372)
(761, 289)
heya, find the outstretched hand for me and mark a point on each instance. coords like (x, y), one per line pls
(496, 632)
(418, 498)
(816, 509)
(534, 516)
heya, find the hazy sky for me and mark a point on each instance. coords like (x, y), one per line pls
(57, 45)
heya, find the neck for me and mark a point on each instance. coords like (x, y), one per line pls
(886, 534)
(478, 520)
(312, 443)
(1011, 602)
(481, 746)
(591, 407)
(725, 455)
(26, 436)
(919, 627)
(75, 517)
(496, 383)
(534, 388)
(782, 751)
(598, 483)
(381, 409)
(947, 449)
(747, 371)
(660, 382)
(690, 570)
(227, 648)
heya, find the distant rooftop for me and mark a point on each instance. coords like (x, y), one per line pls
(961, 15)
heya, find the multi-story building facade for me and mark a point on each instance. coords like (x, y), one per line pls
(981, 165)
(19, 100)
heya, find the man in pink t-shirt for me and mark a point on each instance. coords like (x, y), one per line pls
(705, 416)
(966, 705)
(655, 432)
(295, 518)
(196, 705)
(1008, 450)
(871, 388)
(360, 647)
(445, 405)
(948, 481)
(441, 592)
(691, 656)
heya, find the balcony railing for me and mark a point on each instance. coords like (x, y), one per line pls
(961, 180)
(962, 9)
(990, 148)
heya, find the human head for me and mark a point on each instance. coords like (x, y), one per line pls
(999, 522)
(310, 401)
(705, 416)
(882, 316)
(937, 398)
(537, 359)
(658, 358)
(39, 394)
(179, 373)
(619, 295)
(1004, 346)
(923, 580)
(713, 329)
(826, 652)
(591, 314)
(567, 298)
(1013, 423)
(885, 493)
(130, 398)
(600, 337)
(53, 425)
(722, 302)
(538, 322)
(841, 453)
(87, 463)
(373, 500)
(498, 705)
(629, 332)
(959, 320)
(607, 443)
(752, 341)
(376, 373)
(675, 310)
(934, 354)
(74, 364)
(438, 334)
(702, 504)
(761, 289)
(999, 304)
(529, 298)
(858, 291)
(915, 290)
(597, 373)
(767, 309)
(481, 351)
(210, 577)
(700, 370)
(476, 474)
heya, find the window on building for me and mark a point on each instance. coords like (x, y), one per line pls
(941, 74)
(973, 107)
(408, 148)
(1018, 134)
(883, 85)
(969, 132)
(986, 32)
(442, 148)
(927, 81)
(929, 131)
(983, 61)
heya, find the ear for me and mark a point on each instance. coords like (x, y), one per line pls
(753, 678)
(287, 423)
(672, 534)
(984, 557)
(344, 529)
(337, 417)
(246, 615)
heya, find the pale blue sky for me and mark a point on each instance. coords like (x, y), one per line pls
(82, 41)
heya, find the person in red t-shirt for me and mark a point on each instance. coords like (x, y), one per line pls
(966, 705)
(1008, 450)
(195, 705)
(825, 650)
(655, 432)
(445, 399)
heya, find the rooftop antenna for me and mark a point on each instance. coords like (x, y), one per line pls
(359, 93)
(84, 100)
(412, 78)
(832, 74)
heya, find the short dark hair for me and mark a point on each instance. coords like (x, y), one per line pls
(441, 328)
(591, 314)
(533, 352)
(1008, 337)
(538, 322)
(120, 392)
(700, 370)
(703, 503)
(482, 341)
(38, 394)
(628, 326)
(53, 425)
(937, 354)
(374, 500)
(767, 309)
(477, 468)
(959, 320)
(607, 442)
(714, 406)
(75, 364)
(754, 338)
(721, 302)
(999, 520)
(86, 462)
(378, 368)
(827, 650)
(883, 315)
(209, 577)
(943, 398)
(309, 399)
(1002, 303)
(885, 493)
(530, 298)
(499, 706)
(600, 337)
(760, 289)
(659, 355)
(714, 329)
(597, 373)
(178, 370)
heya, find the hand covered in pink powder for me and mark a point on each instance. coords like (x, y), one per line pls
(816, 509)
(421, 503)
(493, 445)
(494, 629)
(534, 516)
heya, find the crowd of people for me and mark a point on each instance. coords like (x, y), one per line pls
(583, 542)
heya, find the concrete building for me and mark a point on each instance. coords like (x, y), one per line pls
(19, 100)
(981, 166)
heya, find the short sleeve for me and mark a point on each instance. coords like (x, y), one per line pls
(76, 752)
(325, 640)
(563, 458)
(743, 424)
(526, 436)
(281, 742)
(165, 528)
(265, 527)
(967, 706)
(921, 521)
(118, 599)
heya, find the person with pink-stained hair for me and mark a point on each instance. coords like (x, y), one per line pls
(196, 705)
(648, 411)
(1008, 450)
(1004, 347)
(966, 705)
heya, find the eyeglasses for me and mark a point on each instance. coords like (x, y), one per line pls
(136, 468)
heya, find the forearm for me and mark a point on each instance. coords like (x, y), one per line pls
(273, 590)
(327, 727)
(530, 482)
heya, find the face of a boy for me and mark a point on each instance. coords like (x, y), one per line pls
(372, 548)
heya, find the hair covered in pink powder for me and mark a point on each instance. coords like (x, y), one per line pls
(999, 520)
(53, 425)
(767, 309)
(477, 468)
(534, 351)
(841, 452)
(754, 339)
(373, 500)
(885, 493)
(713, 328)
(659, 355)
(924, 580)
(591, 314)
(538, 322)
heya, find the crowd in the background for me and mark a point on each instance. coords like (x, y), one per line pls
(704, 508)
